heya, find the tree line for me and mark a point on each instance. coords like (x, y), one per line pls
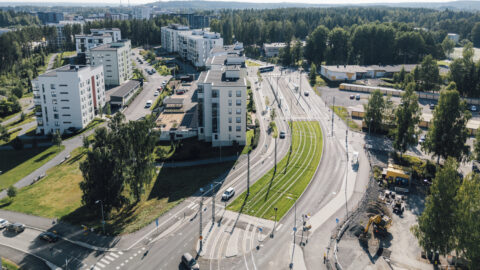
(12, 18)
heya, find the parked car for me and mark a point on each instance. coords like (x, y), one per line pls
(159, 89)
(16, 227)
(190, 262)
(432, 106)
(228, 194)
(49, 237)
(352, 97)
(155, 93)
(148, 104)
(306, 93)
(422, 139)
(164, 82)
(357, 97)
(282, 134)
(3, 223)
(473, 108)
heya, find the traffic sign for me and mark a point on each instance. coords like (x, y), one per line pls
(294, 229)
(337, 220)
(156, 221)
(260, 229)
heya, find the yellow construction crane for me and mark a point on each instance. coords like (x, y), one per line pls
(380, 224)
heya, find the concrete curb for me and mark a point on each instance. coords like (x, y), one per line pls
(48, 263)
(78, 243)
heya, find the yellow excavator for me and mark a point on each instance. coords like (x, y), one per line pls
(380, 224)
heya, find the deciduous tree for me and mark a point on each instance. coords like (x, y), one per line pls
(407, 117)
(374, 110)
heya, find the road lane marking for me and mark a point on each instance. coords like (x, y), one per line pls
(109, 258)
(101, 265)
(114, 255)
(121, 253)
(96, 268)
(118, 267)
(278, 227)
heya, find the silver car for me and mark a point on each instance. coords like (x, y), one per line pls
(3, 223)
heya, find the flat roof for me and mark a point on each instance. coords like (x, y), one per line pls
(170, 100)
(123, 89)
(66, 68)
(360, 69)
(217, 78)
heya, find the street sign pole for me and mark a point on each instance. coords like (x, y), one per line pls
(200, 219)
(213, 205)
(248, 173)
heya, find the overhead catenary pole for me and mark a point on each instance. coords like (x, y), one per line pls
(346, 169)
(248, 173)
(200, 221)
(333, 116)
(213, 204)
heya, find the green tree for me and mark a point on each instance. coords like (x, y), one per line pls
(17, 143)
(4, 136)
(18, 91)
(429, 73)
(448, 45)
(448, 133)
(11, 191)
(436, 229)
(476, 35)
(313, 74)
(468, 219)
(337, 46)
(108, 109)
(407, 117)
(56, 138)
(316, 45)
(374, 110)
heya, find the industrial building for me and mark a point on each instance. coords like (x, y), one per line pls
(355, 72)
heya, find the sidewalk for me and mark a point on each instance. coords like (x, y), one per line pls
(197, 162)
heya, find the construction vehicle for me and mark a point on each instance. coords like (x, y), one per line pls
(380, 224)
(398, 205)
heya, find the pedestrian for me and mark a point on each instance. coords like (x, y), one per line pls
(324, 258)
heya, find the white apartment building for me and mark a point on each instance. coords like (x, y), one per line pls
(114, 32)
(61, 38)
(67, 98)
(116, 61)
(169, 35)
(143, 13)
(83, 43)
(119, 16)
(222, 102)
(453, 36)
(196, 45)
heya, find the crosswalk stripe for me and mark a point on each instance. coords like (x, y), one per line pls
(191, 204)
(143, 248)
(278, 227)
(105, 261)
(110, 258)
(121, 253)
(114, 255)
(101, 265)
(96, 268)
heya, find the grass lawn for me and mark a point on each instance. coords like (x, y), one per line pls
(10, 116)
(163, 70)
(282, 188)
(17, 164)
(28, 118)
(58, 195)
(250, 63)
(249, 137)
(9, 265)
(343, 114)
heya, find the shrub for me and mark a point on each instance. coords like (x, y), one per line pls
(11, 191)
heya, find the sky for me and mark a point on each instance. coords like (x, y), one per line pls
(138, 2)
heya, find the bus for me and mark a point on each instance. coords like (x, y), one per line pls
(266, 69)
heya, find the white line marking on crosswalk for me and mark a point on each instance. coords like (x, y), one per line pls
(105, 261)
(122, 264)
(143, 248)
(278, 227)
(121, 253)
(109, 258)
(101, 265)
(118, 267)
(135, 255)
(114, 255)
(126, 261)
(96, 268)
(191, 204)
(131, 258)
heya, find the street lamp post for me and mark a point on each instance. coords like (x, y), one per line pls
(274, 224)
(103, 218)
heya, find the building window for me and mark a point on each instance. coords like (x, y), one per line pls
(229, 119)
(54, 94)
(65, 108)
(63, 100)
(57, 123)
(239, 93)
(44, 99)
(230, 128)
(229, 110)
(239, 128)
(214, 93)
(229, 102)
(239, 120)
(63, 85)
(52, 86)
(63, 93)
(66, 115)
(55, 108)
(55, 116)
(54, 101)
(230, 93)
(239, 111)
(67, 122)
(238, 102)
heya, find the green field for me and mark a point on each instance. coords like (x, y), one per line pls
(343, 114)
(9, 265)
(252, 64)
(282, 188)
(17, 164)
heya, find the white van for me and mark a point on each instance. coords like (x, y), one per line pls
(148, 104)
(355, 159)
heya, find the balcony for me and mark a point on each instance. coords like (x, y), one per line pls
(38, 114)
(37, 101)
(36, 96)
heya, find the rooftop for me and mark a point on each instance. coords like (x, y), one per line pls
(124, 89)
(217, 78)
(356, 68)
(104, 29)
(111, 46)
(67, 68)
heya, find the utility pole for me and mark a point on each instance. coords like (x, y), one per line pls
(303, 229)
(294, 234)
(248, 173)
(346, 169)
(200, 219)
(213, 204)
(103, 218)
(333, 116)
(275, 170)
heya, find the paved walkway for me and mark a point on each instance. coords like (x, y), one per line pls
(196, 162)
(51, 61)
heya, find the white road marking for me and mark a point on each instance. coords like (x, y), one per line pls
(126, 261)
(114, 255)
(101, 265)
(131, 258)
(105, 261)
(191, 204)
(121, 253)
(109, 258)
(118, 267)
(96, 268)
(134, 255)
(278, 227)
(143, 248)
(122, 264)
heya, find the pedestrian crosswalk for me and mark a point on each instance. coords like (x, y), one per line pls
(114, 260)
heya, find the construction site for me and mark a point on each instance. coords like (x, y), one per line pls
(378, 235)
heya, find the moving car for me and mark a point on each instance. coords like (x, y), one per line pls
(422, 139)
(16, 227)
(49, 237)
(228, 194)
(190, 262)
(3, 223)
(432, 106)
(473, 108)
(357, 97)
(282, 134)
(306, 93)
(352, 97)
(155, 93)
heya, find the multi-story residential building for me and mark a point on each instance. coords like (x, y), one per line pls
(115, 58)
(117, 16)
(114, 32)
(143, 13)
(169, 36)
(196, 45)
(61, 38)
(50, 17)
(273, 49)
(83, 43)
(68, 97)
(222, 106)
(195, 21)
(454, 37)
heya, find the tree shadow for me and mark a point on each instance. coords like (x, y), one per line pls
(384, 242)
(10, 159)
(270, 186)
(240, 211)
(44, 156)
